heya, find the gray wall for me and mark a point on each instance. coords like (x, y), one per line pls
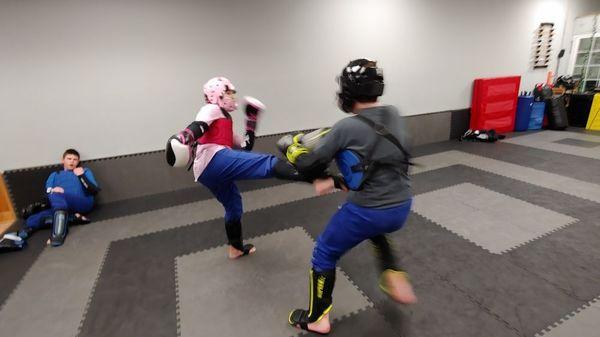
(116, 77)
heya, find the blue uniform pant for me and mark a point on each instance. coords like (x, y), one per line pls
(351, 225)
(229, 165)
(60, 201)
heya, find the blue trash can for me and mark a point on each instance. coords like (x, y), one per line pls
(524, 107)
(537, 116)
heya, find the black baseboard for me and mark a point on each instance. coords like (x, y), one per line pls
(144, 178)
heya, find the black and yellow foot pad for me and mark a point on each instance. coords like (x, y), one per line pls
(299, 319)
(382, 284)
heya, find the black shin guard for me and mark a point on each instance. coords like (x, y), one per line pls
(285, 171)
(234, 234)
(384, 253)
(59, 228)
(321, 296)
(321, 299)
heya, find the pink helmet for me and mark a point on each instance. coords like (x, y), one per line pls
(214, 92)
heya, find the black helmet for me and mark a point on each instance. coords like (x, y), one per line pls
(360, 81)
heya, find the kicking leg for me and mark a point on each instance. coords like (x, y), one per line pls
(234, 165)
(231, 165)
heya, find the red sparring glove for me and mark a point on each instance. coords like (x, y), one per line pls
(253, 109)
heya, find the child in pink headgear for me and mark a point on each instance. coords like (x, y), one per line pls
(221, 158)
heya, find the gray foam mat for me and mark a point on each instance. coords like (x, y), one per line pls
(212, 286)
(463, 289)
(502, 298)
(86, 248)
(149, 305)
(560, 163)
(550, 141)
(582, 322)
(19, 262)
(366, 322)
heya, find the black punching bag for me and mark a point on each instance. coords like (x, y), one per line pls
(557, 113)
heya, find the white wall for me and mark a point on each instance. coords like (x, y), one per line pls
(116, 77)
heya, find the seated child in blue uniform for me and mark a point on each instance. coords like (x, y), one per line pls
(70, 193)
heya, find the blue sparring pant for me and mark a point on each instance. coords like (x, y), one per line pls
(60, 201)
(229, 165)
(351, 225)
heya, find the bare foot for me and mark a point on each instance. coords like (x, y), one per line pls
(321, 326)
(398, 287)
(236, 253)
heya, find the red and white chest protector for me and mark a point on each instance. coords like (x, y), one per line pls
(218, 137)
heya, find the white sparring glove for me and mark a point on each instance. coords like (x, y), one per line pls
(179, 154)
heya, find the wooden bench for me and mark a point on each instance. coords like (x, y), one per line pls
(7, 214)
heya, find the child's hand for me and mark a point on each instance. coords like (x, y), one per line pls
(78, 171)
(324, 186)
(58, 190)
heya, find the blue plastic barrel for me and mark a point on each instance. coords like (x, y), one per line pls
(524, 106)
(537, 115)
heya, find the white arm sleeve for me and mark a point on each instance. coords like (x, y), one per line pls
(209, 113)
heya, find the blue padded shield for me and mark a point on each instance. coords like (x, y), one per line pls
(351, 167)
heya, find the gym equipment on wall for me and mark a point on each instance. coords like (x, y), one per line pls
(543, 45)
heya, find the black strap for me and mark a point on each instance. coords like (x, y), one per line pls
(382, 131)
(89, 186)
(194, 146)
